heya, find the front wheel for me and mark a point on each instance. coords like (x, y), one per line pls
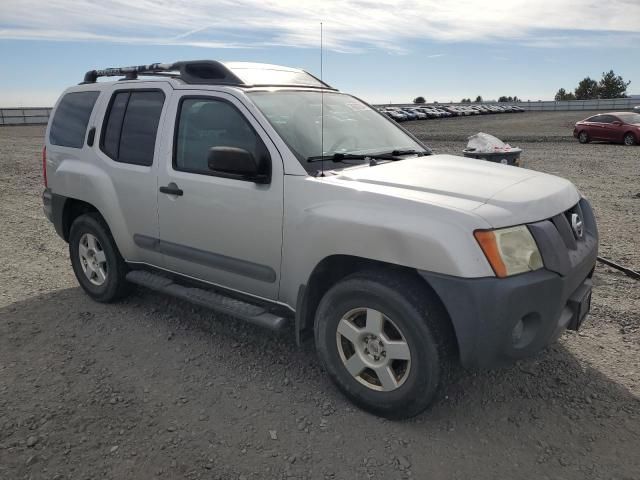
(380, 338)
(583, 137)
(629, 139)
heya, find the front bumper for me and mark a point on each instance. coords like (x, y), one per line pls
(499, 320)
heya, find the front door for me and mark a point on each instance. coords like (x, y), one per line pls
(220, 230)
(596, 130)
(610, 131)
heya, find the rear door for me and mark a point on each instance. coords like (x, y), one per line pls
(220, 230)
(128, 137)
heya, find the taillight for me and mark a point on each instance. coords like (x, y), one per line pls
(44, 165)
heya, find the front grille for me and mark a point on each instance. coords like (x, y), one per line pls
(563, 223)
(562, 249)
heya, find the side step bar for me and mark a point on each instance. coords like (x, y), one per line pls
(205, 298)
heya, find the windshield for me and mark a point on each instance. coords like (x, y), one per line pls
(633, 118)
(350, 126)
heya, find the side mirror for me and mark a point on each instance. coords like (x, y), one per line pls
(238, 163)
(617, 123)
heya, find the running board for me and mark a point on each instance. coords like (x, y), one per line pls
(205, 298)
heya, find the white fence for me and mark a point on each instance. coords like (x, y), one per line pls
(612, 104)
(24, 116)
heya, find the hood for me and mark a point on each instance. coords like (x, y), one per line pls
(502, 195)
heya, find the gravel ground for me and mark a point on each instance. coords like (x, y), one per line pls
(155, 388)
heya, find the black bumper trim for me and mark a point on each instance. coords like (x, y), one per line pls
(484, 311)
(53, 207)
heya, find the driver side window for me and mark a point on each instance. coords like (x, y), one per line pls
(204, 123)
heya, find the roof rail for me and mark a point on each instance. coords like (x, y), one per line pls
(192, 72)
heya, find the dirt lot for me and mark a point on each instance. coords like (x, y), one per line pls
(155, 388)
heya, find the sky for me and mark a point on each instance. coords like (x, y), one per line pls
(381, 50)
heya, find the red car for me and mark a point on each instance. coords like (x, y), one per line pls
(618, 127)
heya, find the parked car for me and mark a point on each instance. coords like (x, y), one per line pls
(435, 112)
(443, 113)
(396, 114)
(617, 127)
(419, 113)
(411, 115)
(636, 108)
(219, 184)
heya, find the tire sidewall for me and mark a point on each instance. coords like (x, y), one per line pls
(109, 289)
(424, 373)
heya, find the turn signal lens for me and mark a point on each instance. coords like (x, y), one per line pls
(509, 250)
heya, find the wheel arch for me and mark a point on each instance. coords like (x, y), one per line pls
(334, 268)
(72, 209)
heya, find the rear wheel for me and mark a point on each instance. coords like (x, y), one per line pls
(380, 338)
(95, 258)
(583, 137)
(629, 139)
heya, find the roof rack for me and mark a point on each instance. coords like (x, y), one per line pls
(211, 72)
(193, 72)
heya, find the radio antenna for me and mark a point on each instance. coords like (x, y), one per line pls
(321, 110)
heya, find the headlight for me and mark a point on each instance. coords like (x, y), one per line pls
(509, 250)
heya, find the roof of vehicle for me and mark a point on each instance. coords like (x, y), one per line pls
(605, 113)
(211, 72)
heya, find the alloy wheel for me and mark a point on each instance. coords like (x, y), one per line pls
(92, 259)
(373, 349)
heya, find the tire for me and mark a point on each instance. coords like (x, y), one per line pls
(407, 308)
(583, 137)
(629, 139)
(102, 273)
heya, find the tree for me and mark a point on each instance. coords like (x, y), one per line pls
(612, 86)
(505, 99)
(563, 95)
(465, 100)
(419, 100)
(587, 89)
(478, 99)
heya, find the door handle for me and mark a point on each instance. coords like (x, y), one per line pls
(172, 189)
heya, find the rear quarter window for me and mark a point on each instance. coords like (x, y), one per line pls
(69, 125)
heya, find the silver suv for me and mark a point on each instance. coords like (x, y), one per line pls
(261, 192)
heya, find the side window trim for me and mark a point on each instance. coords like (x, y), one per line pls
(124, 114)
(107, 115)
(176, 130)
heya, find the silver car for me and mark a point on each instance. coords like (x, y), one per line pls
(261, 192)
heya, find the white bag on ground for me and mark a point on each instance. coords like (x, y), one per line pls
(485, 143)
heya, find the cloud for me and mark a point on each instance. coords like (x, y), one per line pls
(349, 26)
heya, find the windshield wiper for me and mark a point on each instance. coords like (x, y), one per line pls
(341, 157)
